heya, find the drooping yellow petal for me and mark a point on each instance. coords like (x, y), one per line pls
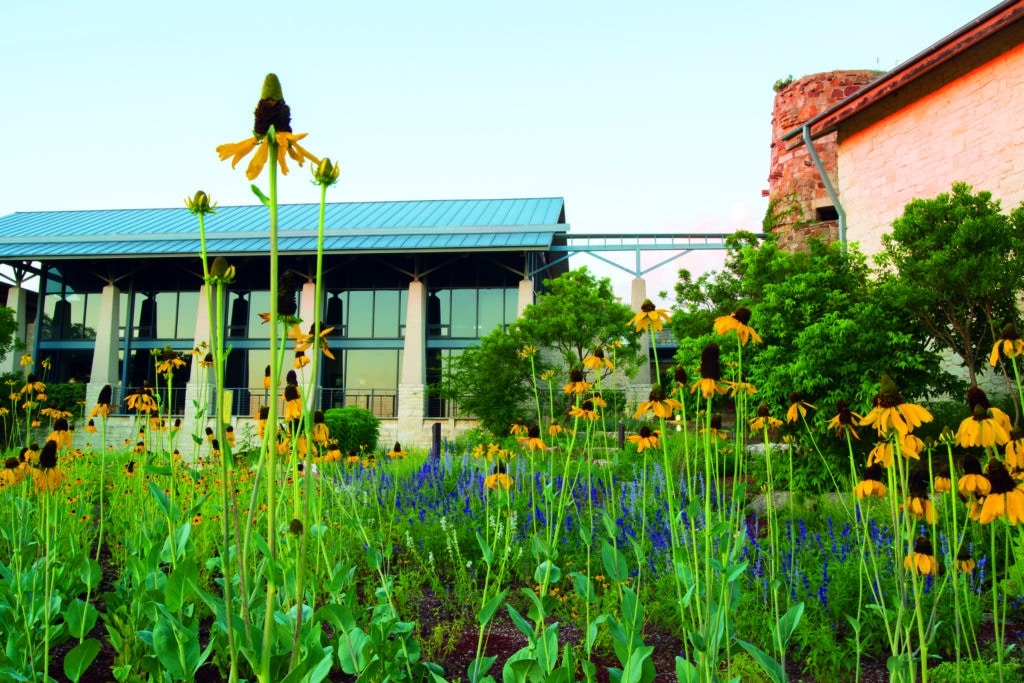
(258, 161)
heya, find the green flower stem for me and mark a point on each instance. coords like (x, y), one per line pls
(300, 578)
(269, 445)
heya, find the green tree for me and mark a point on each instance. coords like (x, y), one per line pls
(577, 313)
(958, 262)
(8, 328)
(829, 331)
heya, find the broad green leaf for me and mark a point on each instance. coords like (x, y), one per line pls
(79, 659)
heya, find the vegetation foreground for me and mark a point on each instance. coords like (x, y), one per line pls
(744, 537)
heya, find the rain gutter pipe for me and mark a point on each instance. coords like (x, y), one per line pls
(840, 211)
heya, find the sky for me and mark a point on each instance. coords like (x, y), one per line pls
(649, 116)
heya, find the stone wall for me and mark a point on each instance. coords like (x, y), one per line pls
(794, 186)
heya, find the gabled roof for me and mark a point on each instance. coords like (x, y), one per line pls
(368, 227)
(971, 35)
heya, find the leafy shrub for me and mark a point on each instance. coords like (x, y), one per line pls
(69, 397)
(354, 428)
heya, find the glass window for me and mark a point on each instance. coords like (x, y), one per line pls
(463, 310)
(492, 310)
(511, 305)
(385, 313)
(360, 313)
(259, 302)
(93, 302)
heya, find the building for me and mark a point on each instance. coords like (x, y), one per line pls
(953, 112)
(405, 285)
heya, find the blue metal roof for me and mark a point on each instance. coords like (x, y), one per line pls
(430, 225)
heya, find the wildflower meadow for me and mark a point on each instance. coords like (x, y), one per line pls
(685, 547)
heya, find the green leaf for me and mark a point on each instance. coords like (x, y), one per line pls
(614, 563)
(80, 617)
(522, 624)
(351, 655)
(264, 199)
(487, 611)
(485, 549)
(78, 660)
(178, 589)
(547, 573)
(765, 661)
(479, 667)
(788, 623)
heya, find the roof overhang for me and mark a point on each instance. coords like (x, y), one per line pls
(971, 35)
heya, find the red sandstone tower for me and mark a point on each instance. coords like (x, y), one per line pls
(800, 207)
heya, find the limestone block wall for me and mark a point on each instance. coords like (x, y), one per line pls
(970, 130)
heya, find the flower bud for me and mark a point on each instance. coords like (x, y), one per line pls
(326, 173)
(200, 204)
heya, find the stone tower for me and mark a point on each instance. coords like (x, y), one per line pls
(800, 208)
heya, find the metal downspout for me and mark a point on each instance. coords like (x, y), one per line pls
(809, 143)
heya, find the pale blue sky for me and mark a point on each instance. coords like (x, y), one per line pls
(649, 116)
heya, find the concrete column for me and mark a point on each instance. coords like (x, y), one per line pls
(413, 365)
(17, 301)
(108, 341)
(201, 336)
(642, 380)
(525, 296)
(307, 305)
(414, 375)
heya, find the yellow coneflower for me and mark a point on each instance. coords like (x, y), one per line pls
(292, 403)
(871, 485)
(518, 428)
(843, 422)
(91, 426)
(533, 440)
(528, 351)
(597, 362)
(271, 114)
(102, 407)
(890, 411)
(576, 383)
(764, 419)
(650, 317)
(797, 407)
(715, 427)
(555, 429)
(48, 477)
(584, 411)
(986, 427)
(141, 400)
(1005, 500)
(658, 404)
(32, 453)
(304, 341)
(943, 482)
(300, 360)
(229, 435)
(973, 481)
(548, 375)
(737, 322)
(168, 360)
(396, 451)
(266, 377)
(917, 503)
(965, 561)
(333, 453)
(498, 481)
(710, 372)
(1008, 346)
(645, 438)
(209, 434)
(321, 433)
(261, 420)
(60, 434)
(14, 472)
(922, 560)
